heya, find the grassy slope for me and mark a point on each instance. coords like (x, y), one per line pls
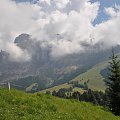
(16, 105)
(96, 79)
(56, 88)
(66, 85)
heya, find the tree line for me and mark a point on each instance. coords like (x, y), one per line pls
(95, 97)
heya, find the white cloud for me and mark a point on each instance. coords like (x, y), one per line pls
(60, 4)
(14, 20)
(73, 22)
(62, 24)
(111, 11)
(16, 54)
(108, 32)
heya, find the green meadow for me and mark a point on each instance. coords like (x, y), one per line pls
(17, 105)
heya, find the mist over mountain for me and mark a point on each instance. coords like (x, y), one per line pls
(66, 26)
(51, 71)
(54, 40)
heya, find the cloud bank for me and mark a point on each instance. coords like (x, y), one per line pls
(64, 25)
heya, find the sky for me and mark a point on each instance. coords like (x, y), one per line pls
(66, 26)
(103, 3)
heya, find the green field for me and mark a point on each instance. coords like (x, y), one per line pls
(17, 105)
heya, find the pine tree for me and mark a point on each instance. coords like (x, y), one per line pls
(113, 83)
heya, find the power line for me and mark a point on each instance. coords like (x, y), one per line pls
(3, 83)
(9, 85)
(17, 85)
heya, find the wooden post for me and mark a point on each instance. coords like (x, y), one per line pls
(9, 86)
